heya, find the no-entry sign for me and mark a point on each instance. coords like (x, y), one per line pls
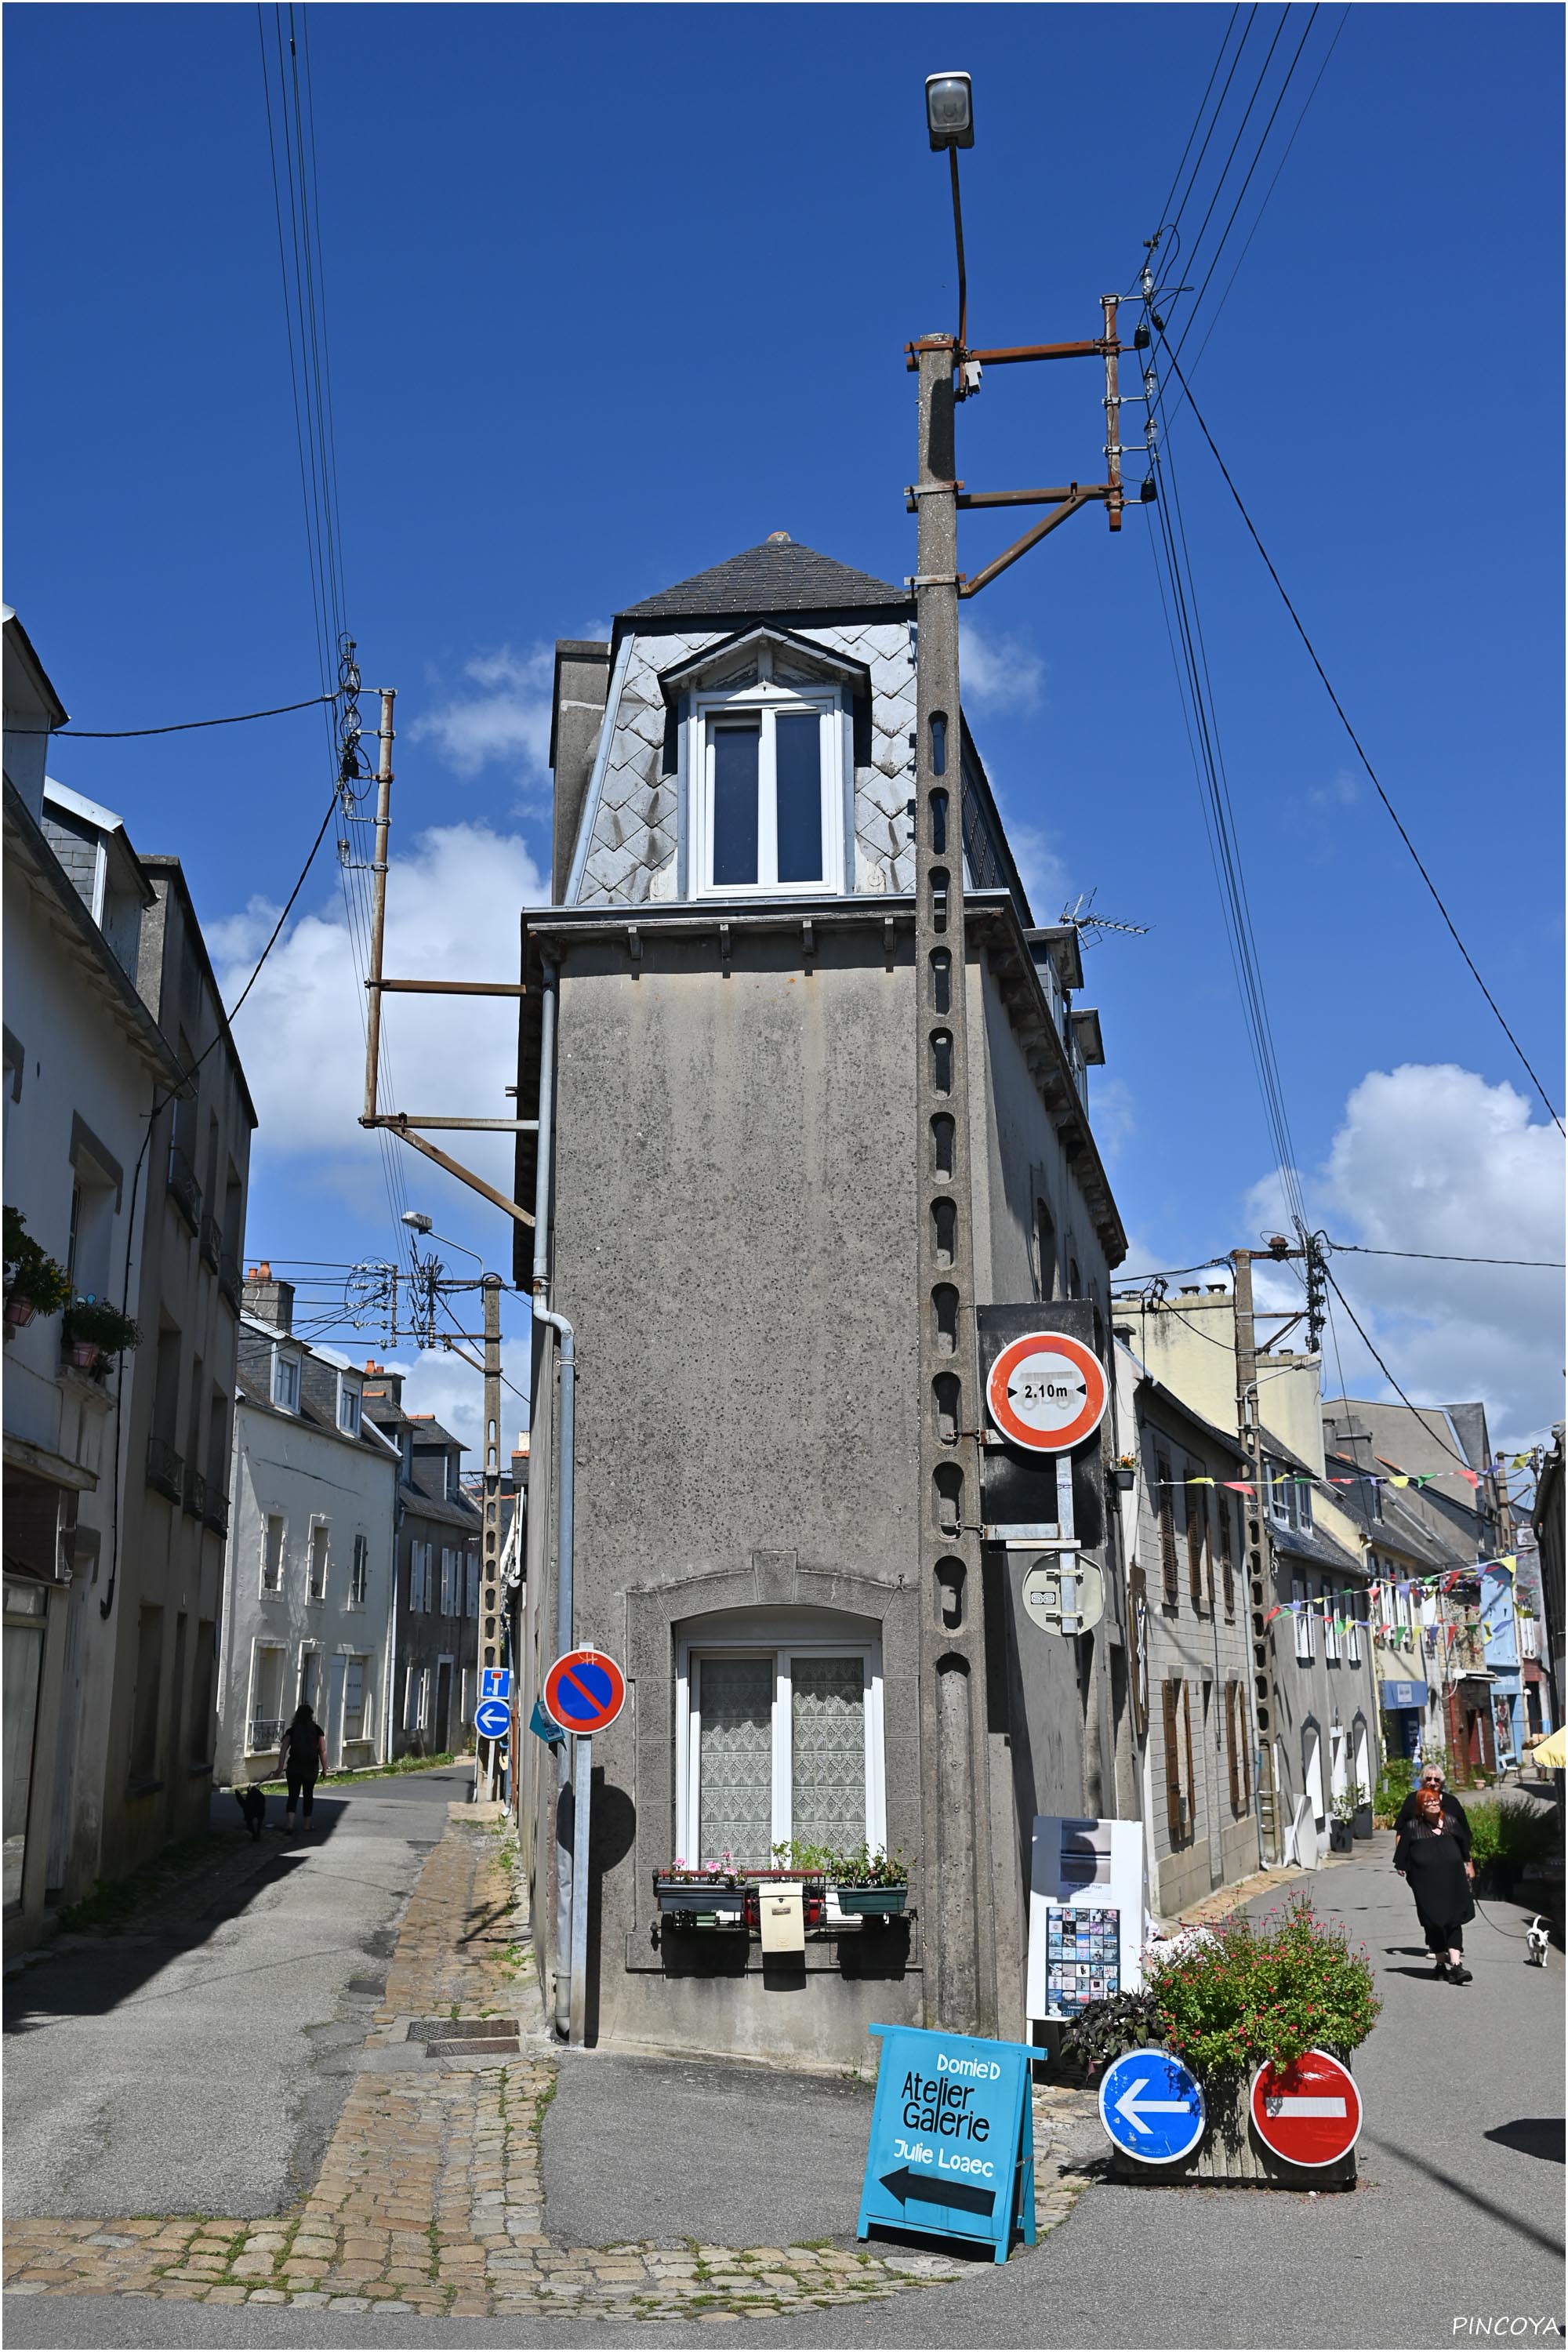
(584, 1691)
(1308, 2112)
(1046, 1392)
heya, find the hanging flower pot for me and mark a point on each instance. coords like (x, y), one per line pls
(83, 1354)
(19, 1309)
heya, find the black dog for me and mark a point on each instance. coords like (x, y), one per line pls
(252, 1803)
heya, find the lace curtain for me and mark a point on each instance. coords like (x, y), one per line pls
(735, 1766)
(828, 1741)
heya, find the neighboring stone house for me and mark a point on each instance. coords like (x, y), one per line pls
(438, 1595)
(114, 1522)
(1187, 1607)
(1404, 1557)
(727, 981)
(309, 1584)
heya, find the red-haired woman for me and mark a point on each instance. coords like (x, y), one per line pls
(1430, 1856)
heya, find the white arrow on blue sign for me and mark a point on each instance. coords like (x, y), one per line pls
(492, 1719)
(1151, 2107)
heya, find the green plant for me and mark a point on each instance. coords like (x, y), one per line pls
(96, 1319)
(1106, 2029)
(31, 1273)
(800, 1854)
(865, 1865)
(1268, 1990)
(1394, 1784)
(1511, 1834)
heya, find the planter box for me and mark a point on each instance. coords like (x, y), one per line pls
(699, 1896)
(1361, 1824)
(871, 1902)
(1340, 1837)
(1126, 1480)
(1231, 2155)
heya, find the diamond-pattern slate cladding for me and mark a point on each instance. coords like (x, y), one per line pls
(632, 855)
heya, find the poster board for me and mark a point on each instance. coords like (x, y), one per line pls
(951, 2152)
(1086, 1866)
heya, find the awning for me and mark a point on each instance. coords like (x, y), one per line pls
(1395, 1696)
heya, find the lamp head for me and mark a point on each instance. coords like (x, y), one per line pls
(417, 1219)
(949, 111)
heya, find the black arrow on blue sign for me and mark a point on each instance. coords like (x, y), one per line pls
(905, 2184)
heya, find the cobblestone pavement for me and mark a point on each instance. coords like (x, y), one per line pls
(430, 2197)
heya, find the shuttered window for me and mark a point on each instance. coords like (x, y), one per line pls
(1179, 1781)
(1191, 1787)
(1167, 1530)
(1228, 1552)
(1198, 1543)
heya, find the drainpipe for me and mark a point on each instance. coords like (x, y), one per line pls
(565, 1960)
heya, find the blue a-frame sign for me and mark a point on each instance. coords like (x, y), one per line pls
(952, 2149)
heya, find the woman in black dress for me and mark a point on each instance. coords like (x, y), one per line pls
(1429, 1855)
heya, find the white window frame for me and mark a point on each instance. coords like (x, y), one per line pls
(1356, 1621)
(309, 1650)
(271, 1519)
(772, 1638)
(1303, 1618)
(359, 1658)
(1330, 1631)
(359, 1572)
(323, 1527)
(770, 698)
(348, 1407)
(285, 1378)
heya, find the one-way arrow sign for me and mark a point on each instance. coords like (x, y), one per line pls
(905, 2184)
(1151, 2107)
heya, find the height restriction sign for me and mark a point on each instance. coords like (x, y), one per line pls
(1046, 1392)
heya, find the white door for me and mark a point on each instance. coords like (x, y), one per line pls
(1312, 1753)
(1339, 1764)
(1362, 1766)
(334, 1723)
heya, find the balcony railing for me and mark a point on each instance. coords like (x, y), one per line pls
(183, 1189)
(216, 1511)
(231, 1281)
(195, 1495)
(166, 1470)
(211, 1242)
(264, 1735)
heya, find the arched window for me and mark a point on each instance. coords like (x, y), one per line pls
(778, 1733)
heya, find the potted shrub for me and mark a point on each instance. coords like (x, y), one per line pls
(93, 1327)
(34, 1283)
(1127, 1472)
(1360, 1814)
(869, 1884)
(1340, 1829)
(1508, 1838)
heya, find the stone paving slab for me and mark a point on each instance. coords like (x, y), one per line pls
(430, 2196)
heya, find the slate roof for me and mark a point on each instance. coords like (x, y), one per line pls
(1321, 1551)
(776, 577)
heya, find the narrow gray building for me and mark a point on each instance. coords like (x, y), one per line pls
(723, 1005)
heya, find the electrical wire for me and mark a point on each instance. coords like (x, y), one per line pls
(1445, 1257)
(178, 726)
(1214, 118)
(1388, 1376)
(1198, 117)
(1190, 254)
(1356, 740)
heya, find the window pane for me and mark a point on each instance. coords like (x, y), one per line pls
(828, 1725)
(797, 753)
(735, 1762)
(735, 762)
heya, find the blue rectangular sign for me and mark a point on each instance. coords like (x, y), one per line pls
(495, 1682)
(1401, 1695)
(951, 2152)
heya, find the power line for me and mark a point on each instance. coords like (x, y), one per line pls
(177, 727)
(1214, 118)
(1203, 102)
(1350, 730)
(1387, 1375)
(1241, 126)
(1447, 1257)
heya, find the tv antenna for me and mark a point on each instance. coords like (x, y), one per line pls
(1090, 925)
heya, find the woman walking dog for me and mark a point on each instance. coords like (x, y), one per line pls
(302, 1757)
(1433, 1856)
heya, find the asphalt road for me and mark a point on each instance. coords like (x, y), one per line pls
(203, 2069)
(1459, 2212)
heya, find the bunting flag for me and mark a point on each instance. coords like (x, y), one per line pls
(1416, 1478)
(1405, 1587)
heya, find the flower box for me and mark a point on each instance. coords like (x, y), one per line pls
(871, 1902)
(1126, 1479)
(698, 1895)
(19, 1309)
(1340, 1837)
(1361, 1821)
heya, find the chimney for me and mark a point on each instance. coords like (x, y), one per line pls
(390, 1383)
(270, 1299)
(520, 1462)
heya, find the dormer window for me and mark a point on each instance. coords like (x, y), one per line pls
(767, 809)
(348, 1407)
(285, 1382)
(1290, 1497)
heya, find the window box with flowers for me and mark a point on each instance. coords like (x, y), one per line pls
(699, 1895)
(1226, 2000)
(1125, 1470)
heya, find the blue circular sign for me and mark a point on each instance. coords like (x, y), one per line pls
(1151, 2107)
(492, 1719)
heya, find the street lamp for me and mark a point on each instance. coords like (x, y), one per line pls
(950, 120)
(420, 1223)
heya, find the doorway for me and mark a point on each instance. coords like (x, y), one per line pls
(444, 1707)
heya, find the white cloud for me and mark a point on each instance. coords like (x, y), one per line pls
(507, 721)
(1430, 1158)
(454, 896)
(441, 1383)
(1041, 871)
(1342, 790)
(1114, 1114)
(999, 673)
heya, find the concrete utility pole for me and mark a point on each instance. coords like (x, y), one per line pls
(1266, 1687)
(956, 1923)
(489, 1554)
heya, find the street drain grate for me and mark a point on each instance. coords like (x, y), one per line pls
(468, 2037)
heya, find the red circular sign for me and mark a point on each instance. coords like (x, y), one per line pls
(584, 1692)
(1308, 2112)
(1046, 1392)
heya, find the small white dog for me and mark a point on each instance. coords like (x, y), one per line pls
(1537, 1937)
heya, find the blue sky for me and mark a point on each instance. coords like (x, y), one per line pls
(614, 292)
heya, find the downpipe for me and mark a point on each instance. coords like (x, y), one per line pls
(567, 1961)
